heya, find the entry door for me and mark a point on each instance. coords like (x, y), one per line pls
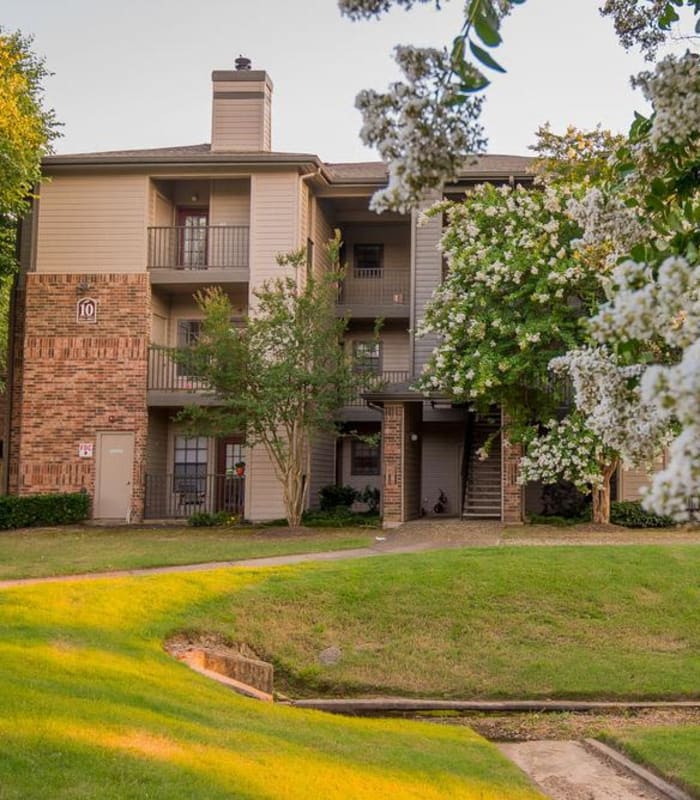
(192, 226)
(230, 487)
(115, 467)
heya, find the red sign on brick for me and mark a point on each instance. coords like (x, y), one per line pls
(86, 310)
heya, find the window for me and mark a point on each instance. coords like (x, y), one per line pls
(368, 260)
(367, 356)
(188, 331)
(190, 467)
(365, 459)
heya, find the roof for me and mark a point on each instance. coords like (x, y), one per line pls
(365, 172)
(477, 167)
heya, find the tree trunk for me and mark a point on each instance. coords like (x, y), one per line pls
(601, 495)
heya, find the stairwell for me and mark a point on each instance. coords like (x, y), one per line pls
(482, 491)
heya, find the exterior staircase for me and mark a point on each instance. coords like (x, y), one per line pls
(482, 492)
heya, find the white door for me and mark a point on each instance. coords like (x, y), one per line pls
(115, 468)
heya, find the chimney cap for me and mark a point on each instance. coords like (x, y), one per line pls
(242, 63)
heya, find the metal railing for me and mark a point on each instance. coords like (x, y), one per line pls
(167, 374)
(375, 287)
(171, 496)
(374, 382)
(198, 247)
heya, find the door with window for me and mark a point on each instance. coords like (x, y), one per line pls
(193, 230)
(230, 475)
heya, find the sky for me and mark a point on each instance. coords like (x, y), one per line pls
(137, 73)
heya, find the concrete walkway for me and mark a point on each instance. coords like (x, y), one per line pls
(420, 536)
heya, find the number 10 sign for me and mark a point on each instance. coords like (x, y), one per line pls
(86, 310)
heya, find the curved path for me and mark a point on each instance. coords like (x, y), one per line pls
(419, 536)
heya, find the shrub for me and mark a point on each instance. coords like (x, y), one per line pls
(340, 517)
(205, 519)
(333, 496)
(370, 496)
(631, 514)
(43, 509)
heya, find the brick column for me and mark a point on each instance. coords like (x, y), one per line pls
(401, 463)
(512, 492)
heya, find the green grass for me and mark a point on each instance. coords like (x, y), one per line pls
(672, 752)
(576, 622)
(75, 550)
(91, 707)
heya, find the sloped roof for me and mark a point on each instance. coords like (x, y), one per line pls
(363, 172)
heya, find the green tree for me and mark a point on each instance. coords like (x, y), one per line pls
(281, 376)
(26, 132)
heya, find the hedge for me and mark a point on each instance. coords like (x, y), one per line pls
(630, 514)
(43, 509)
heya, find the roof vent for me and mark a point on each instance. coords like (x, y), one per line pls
(242, 63)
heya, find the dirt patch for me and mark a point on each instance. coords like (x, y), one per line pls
(531, 727)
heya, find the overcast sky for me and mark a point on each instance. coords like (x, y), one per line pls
(137, 73)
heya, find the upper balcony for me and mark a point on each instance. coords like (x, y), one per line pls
(190, 255)
(169, 381)
(370, 292)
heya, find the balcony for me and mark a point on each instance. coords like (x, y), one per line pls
(172, 496)
(374, 292)
(356, 408)
(170, 382)
(195, 254)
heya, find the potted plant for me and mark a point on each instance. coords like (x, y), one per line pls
(240, 468)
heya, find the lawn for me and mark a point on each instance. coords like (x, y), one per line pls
(571, 622)
(91, 707)
(75, 550)
(673, 752)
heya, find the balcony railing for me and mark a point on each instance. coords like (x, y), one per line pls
(375, 382)
(375, 287)
(166, 374)
(172, 496)
(198, 247)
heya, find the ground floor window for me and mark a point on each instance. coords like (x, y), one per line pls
(190, 464)
(365, 458)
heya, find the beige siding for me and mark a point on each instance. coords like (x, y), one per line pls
(263, 490)
(396, 239)
(230, 203)
(395, 347)
(441, 466)
(274, 223)
(427, 275)
(93, 224)
(322, 466)
(321, 234)
(631, 481)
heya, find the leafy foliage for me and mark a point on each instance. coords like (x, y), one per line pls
(43, 509)
(26, 132)
(332, 496)
(281, 376)
(630, 514)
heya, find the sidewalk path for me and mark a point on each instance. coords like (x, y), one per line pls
(419, 536)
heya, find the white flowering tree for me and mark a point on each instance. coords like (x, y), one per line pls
(426, 126)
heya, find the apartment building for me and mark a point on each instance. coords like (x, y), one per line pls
(115, 247)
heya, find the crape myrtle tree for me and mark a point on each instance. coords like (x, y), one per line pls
(280, 375)
(645, 218)
(26, 132)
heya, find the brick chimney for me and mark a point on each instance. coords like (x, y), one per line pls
(241, 109)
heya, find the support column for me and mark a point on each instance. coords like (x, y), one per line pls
(513, 493)
(401, 445)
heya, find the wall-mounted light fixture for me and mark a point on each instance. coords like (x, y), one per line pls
(413, 437)
(195, 198)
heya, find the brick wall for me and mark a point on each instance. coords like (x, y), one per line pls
(401, 460)
(75, 379)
